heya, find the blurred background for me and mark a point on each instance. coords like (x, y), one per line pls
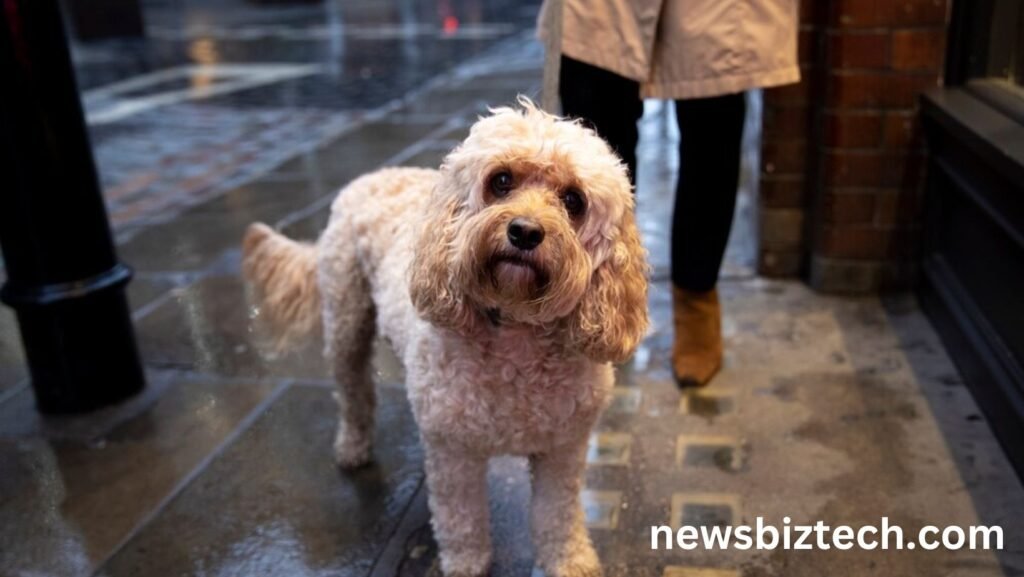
(874, 328)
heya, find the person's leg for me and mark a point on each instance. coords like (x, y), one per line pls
(607, 102)
(710, 137)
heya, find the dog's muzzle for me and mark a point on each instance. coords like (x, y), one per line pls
(518, 268)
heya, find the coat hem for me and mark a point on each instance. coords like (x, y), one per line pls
(718, 86)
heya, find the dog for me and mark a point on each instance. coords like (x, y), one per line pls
(508, 282)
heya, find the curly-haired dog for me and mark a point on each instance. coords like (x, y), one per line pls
(507, 282)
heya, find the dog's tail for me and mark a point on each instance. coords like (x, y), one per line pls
(281, 275)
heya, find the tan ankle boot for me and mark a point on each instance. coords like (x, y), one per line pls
(697, 351)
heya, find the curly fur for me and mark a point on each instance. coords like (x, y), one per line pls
(506, 351)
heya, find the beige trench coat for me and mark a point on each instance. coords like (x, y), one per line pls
(681, 49)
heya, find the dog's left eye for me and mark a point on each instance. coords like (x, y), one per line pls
(574, 203)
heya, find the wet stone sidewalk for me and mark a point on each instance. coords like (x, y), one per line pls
(832, 409)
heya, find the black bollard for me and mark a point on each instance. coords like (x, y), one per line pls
(63, 276)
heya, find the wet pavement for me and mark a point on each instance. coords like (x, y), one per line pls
(844, 410)
(221, 92)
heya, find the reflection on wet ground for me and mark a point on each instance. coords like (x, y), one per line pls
(844, 410)
(220, 92)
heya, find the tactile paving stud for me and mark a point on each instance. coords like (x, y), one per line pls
(609, 448)
(707, 403)
(625, 400)
(601, 508)
(705, 510)
(725, 453)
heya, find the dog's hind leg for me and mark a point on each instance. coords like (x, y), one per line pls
(349, 328)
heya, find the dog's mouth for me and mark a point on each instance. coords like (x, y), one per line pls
(517, 271)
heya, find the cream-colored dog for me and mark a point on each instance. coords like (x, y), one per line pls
(507, 282)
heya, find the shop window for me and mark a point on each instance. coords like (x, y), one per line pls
(987, 54)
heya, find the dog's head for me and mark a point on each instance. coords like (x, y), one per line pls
(532, 224)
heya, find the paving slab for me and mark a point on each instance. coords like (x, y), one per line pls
(206, 327)
(72, 489)
(143, 291)
(358, 152)
(308, 227)
(274, 503)
(199, 236)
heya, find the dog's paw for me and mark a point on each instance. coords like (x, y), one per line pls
(352, 454)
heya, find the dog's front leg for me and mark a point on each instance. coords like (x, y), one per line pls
(556, 515)
(457, 486)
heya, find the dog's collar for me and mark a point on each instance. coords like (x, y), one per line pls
(494, 315)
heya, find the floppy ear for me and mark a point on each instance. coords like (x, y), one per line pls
(611, 318)
(432, 281)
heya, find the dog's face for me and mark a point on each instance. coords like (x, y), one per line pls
(532, 224)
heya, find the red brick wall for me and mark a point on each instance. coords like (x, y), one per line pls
(842, 156)
(787, 165)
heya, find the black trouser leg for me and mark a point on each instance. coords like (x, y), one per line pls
(710, 136)
(607, 102)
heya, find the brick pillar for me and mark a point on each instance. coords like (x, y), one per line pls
(787, 156)
(862, 174)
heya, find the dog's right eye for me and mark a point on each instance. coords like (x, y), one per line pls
(501, 183)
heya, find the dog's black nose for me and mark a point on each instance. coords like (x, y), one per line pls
(525, 233)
